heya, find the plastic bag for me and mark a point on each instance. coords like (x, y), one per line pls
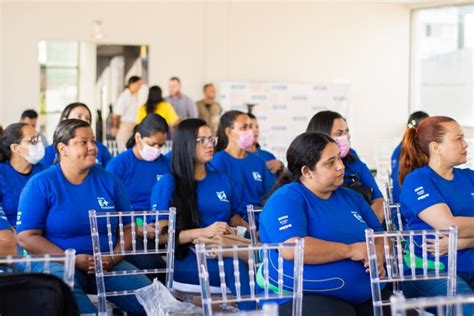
(158, 301)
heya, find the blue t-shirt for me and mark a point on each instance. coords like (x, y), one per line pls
(103, 155)
(138, 176)
(49, 202)
(215, 197)
(360, 169)
(250, 178)
(267, 156)
(4, 224)
(294, 211)
(395, 167)
(11, 184)
(423, 188)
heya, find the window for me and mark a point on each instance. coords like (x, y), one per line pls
(442, 62)
(59, 82)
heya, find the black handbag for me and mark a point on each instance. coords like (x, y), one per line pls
(39, 294)
(353, 182)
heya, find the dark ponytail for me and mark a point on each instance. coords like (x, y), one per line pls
(155, 96)
(226, 120)
(151, 124)
(13, 134)
(416, 144)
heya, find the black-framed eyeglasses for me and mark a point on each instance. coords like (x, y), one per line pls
(33, 140)
(207, 140)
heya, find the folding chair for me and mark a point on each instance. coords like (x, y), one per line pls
(277, 290)
(68, 258)
(253, 229)
(451, 305)
(111, 145)
(393, 216)
(399, 251)
(119, 218)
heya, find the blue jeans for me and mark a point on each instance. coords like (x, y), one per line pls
(186, 271)
(86, 283)
(430, 288)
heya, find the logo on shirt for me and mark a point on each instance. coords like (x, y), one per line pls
(420, 191)
(284, 223)
(104, 204)
(257, 176)
(222, 196)
(158, 177)
(358, 217)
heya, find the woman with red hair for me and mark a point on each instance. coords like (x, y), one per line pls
(436, 195)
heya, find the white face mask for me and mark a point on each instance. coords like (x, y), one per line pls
(35, 153)
(149, 153)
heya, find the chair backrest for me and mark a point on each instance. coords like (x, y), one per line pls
(389, 191)
(443, 305)
(110, 224)
(112, 146)
(252, 214)
(273, 287)
(393, 216)
(25, 263)
(402, 263)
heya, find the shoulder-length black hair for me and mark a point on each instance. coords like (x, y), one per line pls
(323, 122)
(151, 124)
(182, 169)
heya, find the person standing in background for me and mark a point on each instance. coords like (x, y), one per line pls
(209, 110)
(125, 112)
(30, 117)
(183, 105)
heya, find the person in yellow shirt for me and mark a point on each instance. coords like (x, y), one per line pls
(157, 104)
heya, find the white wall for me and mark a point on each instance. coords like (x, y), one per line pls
(364, 44)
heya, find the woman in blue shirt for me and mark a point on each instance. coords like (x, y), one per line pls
(274, 165)
(53, 215)
(204, 200)
(357, 174)
(413, 122)
(436, 195)
(20, 152)
(310, 203)
(139, 168)
(248, 172)
(80, 111)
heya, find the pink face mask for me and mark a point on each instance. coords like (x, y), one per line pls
(245, 139)
(149, 153)
(343, 144)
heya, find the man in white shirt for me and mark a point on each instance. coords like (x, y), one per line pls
(125, 112)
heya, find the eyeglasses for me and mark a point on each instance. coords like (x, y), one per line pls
(207, 140)
(33, 140)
